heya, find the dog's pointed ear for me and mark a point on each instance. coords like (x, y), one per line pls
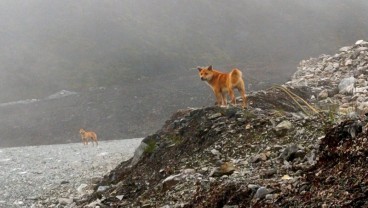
(210, 68)
(199, 68)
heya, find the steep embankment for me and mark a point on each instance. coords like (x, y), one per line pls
(279, 152)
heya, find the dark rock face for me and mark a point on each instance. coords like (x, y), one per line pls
(340, 176)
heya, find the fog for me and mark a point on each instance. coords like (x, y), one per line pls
(141, 52)
(48, 46)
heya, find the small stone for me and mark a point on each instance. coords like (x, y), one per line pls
(323, 94)
(261, 192)
(277, 147)
(346, 85)
(269, 173)
(65, 201)
(329, 68)
(361, 42)
(248, 126)
(253, 187)
(286, 177)
(120, 197)
(348, 62)
(289, 153)
(345, 49)
(102, 188)
(258, 158)
(216, 115)
(188, 171)
(362, 49)
(284, 125)
(215, 152)
(269, 196)
(170, 181)
(263, 156)
(81, 187)
(32, 198)
(18, 203)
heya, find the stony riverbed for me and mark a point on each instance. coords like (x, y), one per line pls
(30, 176)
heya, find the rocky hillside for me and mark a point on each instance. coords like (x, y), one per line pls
(338, 80)
(303, 144)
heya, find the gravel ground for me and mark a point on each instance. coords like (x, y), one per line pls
(39, 176)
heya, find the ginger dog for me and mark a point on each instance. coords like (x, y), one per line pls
(222, 83)
(88, 135)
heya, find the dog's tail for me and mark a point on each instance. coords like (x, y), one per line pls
(235, 75)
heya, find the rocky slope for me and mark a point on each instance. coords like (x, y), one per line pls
(339, 82)
(298, 145)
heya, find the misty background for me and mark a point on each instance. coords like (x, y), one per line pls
(121, 67)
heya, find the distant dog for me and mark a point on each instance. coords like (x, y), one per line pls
(85, 135)
(223, 83)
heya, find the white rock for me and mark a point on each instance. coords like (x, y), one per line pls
(363, 107)
(361, 89)
(94, 204)
(330, 68)
(188, 171)
(80, 188)
(323, 94)
(284, 125)
(253, 186)
(120, 197)
(361, 42)
(18, 203)
(102, 188)
(65, 201)
(103, 154)
(215, 152)
(345, 49)
(362, 49)
(348, 62)
(346, 85)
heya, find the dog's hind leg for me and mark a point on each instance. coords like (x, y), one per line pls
(232, 96)
(241, 89)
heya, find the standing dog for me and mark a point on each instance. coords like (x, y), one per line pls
(222, 83)
(88, 135)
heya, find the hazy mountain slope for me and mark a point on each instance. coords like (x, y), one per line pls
(113, 112)
(49, 46)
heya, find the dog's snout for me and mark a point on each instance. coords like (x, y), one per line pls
(202, 78)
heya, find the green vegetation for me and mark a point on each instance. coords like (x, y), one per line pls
(151, 146)
(175, 139)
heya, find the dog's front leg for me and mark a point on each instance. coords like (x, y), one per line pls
(219, 97)
(224, 99)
